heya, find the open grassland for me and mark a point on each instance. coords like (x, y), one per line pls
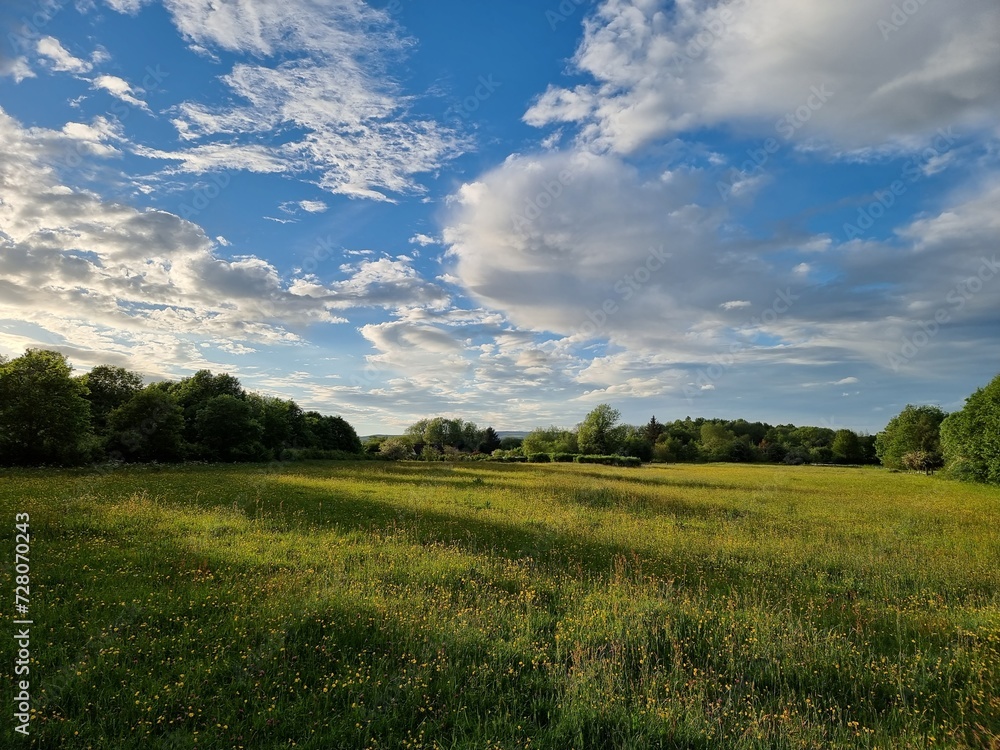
(379, 605)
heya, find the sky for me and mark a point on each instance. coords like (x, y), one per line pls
(780, 210)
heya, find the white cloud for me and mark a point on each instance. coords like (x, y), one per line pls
(102, 277)
(608, 253)
(120, 89)
(322, 69)
(17, 68)
(313, 207)
(423, 240)
(60, 60)
(662, 68)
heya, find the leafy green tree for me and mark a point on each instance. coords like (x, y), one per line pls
(511, 444)
(44, 413)
(195, 392)
(916, 428)
(600, 433)
(283, 424)
(227, 431)
(550, 440)
(331, 433)
(636, 443)
(716, 441)
(108, 388)
(847, 447)
(148, 427)
(395, 449)
(970, 438)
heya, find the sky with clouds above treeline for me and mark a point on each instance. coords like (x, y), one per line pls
(777, 210)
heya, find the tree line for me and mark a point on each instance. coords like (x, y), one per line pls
(602, 433)
(50, 417)
(920, 438)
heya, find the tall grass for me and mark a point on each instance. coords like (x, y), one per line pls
(556, 606)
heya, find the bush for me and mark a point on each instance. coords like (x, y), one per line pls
(318, 454)
(539, 458)
(563, 458)
(925, 461)
(609, 460)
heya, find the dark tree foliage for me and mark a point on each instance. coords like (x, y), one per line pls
(148, 427)
(45, 418)
(108, 388)
(44, 413)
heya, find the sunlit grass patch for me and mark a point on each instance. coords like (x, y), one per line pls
(550, 606)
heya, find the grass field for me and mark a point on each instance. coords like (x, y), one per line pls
(379, 605)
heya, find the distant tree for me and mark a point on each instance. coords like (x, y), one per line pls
(716, 441)
(44, 413)
(395, 449)
(331, 433)
(194, 393)
(550, 440)
(636, 443)
(653, 430)
(511, 443)
(916, 428)
(148, 427)
(490, 441)
(970, 438)
(847, 447)
(107, 389)
(226, 430)
(282, 422)
(600, 433)
(441, 432)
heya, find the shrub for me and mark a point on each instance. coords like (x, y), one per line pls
(563, 458)
(539, 458)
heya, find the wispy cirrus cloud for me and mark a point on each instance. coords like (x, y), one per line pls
(314, 97)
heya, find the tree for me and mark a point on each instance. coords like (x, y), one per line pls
(599, 432)
(847, 447)
(283, 424)
(395, 449)
(636, 443)
(148, 427)
(44, 413)
(923, 461)
(550, 440)
(108, 388)
(916, 428)
(970, 438)
(227, 431)
(653, 430)
(194, 392)
(716, 441)
(490, 441)
(331, 433)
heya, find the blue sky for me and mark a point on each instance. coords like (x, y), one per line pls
(510, 213)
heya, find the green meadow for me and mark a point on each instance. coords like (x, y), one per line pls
(413, 605)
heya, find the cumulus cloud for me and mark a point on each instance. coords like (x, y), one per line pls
(104, 277)
(60, 60)
(853, 74)
(592, 249)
